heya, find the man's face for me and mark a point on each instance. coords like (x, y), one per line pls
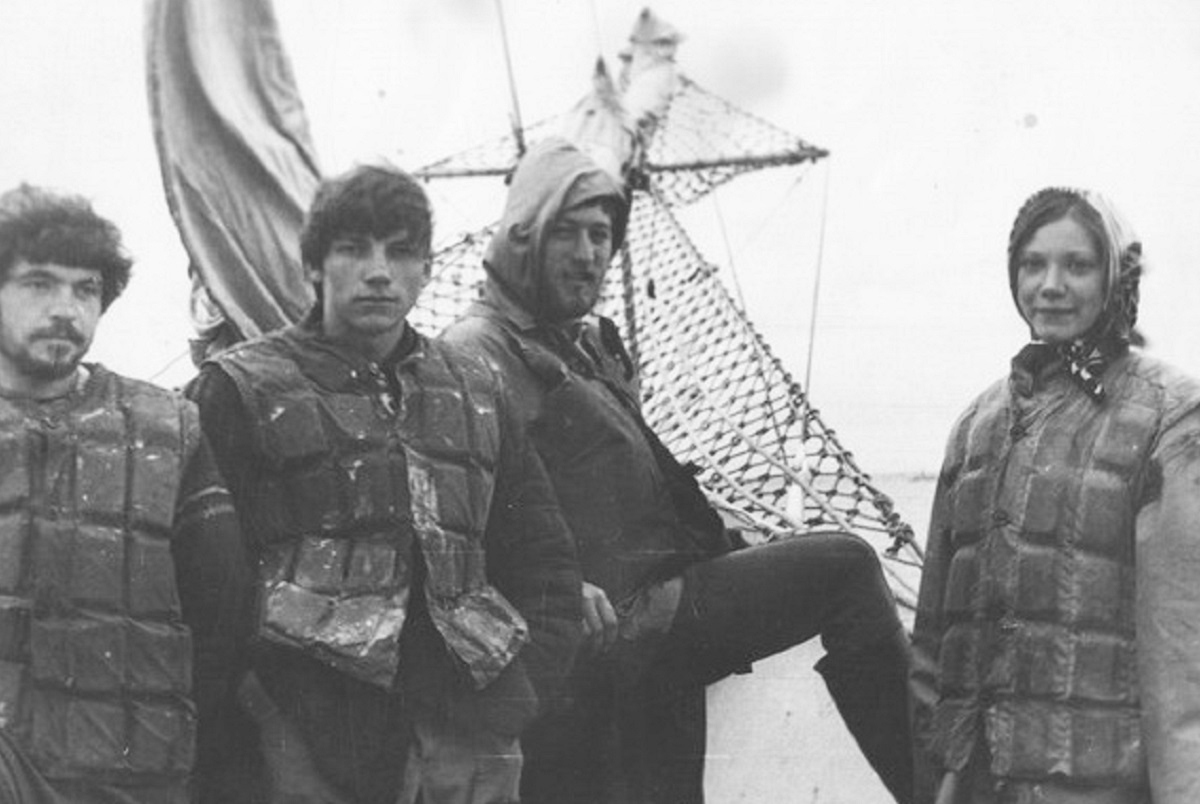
(369, 285)
(1060, 282)
(48, 317)
(576, 254)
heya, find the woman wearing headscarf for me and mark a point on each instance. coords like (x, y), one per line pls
(1057, 639)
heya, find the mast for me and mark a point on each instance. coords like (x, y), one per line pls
(816, 293)
(517, 126)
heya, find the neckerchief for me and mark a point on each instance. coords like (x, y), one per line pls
(1088, 362)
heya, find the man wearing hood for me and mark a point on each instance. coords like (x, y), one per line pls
(420, 594)
(669, 607)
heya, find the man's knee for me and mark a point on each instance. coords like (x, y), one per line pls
(858, 551)
(839, 553)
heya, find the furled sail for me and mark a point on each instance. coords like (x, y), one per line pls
(615, 123)
(237, 159)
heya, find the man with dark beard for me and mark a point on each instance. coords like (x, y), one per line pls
(122, 577)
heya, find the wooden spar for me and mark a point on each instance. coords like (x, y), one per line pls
(797, 156)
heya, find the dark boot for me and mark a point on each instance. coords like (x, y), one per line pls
(870, 689)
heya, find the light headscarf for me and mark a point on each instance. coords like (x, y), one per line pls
(1089, 355)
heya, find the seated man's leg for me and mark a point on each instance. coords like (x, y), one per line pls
(750, 604)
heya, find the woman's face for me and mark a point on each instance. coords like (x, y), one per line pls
(1060, 281)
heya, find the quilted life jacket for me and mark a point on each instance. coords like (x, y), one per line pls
(1039, 653)
(95, 661)
(350, 483)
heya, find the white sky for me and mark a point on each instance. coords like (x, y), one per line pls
(941, 116)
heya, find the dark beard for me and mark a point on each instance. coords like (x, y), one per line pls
(43, 370)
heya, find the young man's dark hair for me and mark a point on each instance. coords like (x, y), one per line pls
(368, 200)
(40, 227)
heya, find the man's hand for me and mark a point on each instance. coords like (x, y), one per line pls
(599, 619)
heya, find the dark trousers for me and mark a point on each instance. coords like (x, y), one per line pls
(753, 603)
(434, 733)
(640, 710)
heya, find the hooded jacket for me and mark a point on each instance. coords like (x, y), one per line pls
(637, 515)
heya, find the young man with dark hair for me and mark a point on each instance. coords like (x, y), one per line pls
(122, 578)
(420, 594)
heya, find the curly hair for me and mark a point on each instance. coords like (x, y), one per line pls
(41, 226)
(368, 200)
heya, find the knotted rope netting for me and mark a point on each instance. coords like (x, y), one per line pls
(711, 387)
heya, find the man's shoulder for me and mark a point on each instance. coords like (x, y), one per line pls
(277, 345)
(460, 358)
(497, 343)
(110, 383)
(246, 374)
(151, 408)
(260, 363)
(479, 328)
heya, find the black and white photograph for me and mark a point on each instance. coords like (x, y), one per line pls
(599, 402)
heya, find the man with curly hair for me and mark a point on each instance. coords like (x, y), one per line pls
(122, 578)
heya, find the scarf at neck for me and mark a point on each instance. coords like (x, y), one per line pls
(1086, 360)
(1087, 364)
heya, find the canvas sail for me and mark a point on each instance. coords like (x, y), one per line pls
(238, 164)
